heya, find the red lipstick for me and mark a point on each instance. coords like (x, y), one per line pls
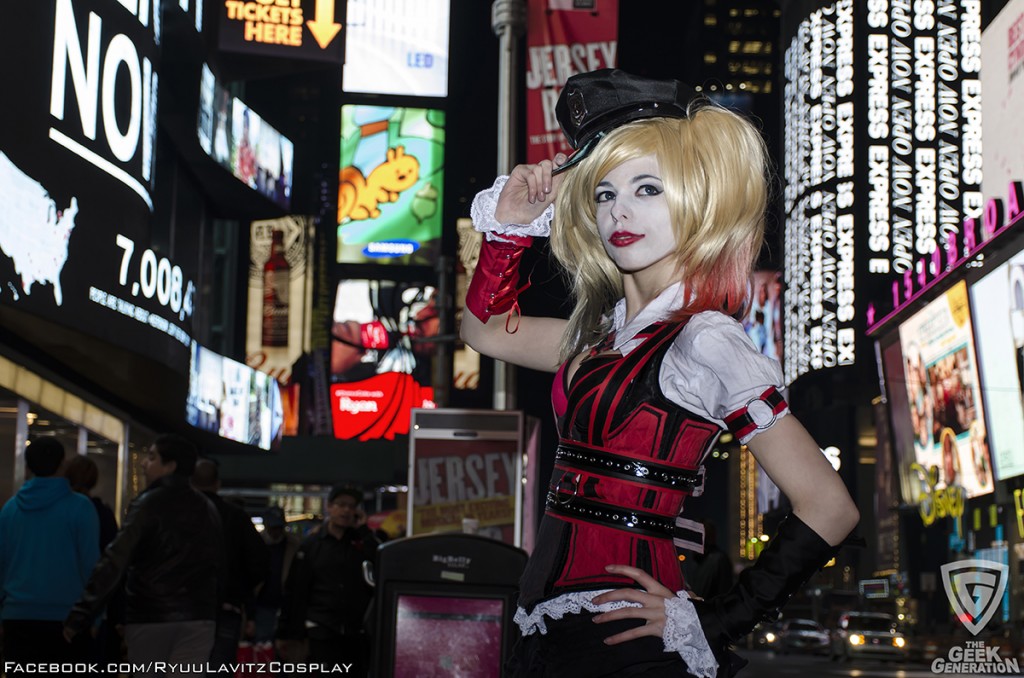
(624, 238)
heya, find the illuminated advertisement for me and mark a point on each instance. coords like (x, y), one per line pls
(280, 303)
(944, 395)
(431, 630)
(562, 40)
(233, 401)
(243, 143)
(819, 199)
(1002, 81)
(77, 165)
(293, 29)
(763, 322)
(397, 47)
(923, 127)
(390, 184)
(998, 304)
(465, 361)
(381, 351)
(465, 479)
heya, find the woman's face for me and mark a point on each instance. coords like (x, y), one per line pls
(633, 217)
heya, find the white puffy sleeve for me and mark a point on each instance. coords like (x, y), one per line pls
(714, 370)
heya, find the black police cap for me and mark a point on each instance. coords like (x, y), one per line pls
(592, 104)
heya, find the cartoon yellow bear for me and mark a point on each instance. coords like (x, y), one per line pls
(359, 196)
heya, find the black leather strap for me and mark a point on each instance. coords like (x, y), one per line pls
(624, 468)
(639, 522)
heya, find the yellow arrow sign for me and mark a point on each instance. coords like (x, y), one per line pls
(323, 27)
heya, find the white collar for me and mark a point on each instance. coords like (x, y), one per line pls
(661, 307)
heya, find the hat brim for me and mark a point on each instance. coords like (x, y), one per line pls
(615, 120)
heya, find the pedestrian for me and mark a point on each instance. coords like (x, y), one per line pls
(49, 543)
(326, 595)
(169, 552)
(83, 474)
(657, 219)
(282, 546)
(247, 561)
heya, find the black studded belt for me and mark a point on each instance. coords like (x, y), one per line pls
(623, 468)
(641, 522)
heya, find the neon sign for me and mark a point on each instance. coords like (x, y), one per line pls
(996, 219)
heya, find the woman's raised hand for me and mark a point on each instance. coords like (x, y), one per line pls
(529, 191)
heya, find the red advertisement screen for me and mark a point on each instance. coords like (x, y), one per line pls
(440, 636)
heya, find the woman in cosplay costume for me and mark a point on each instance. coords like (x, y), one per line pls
(657, 218)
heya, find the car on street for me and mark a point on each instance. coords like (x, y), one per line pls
(803, 635)
(868, 634)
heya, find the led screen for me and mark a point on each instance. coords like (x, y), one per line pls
(397, 47)
(242, 142)
(997, 301)
(390, 185)
(944, 395)
(229, 399)
(819, 200)
(381, 352)
(763, 322)
(447, 636)
(77, 169)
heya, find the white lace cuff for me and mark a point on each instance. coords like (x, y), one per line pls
(573, 602)
(683, 634)
(486, 203)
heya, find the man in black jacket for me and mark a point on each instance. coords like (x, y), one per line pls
(326, 596)
(169, 548)
(246, 557)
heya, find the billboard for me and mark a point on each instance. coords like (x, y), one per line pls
(943, 394)
(243, 143)
(390, 185)
(763, 322)
(819, 200)
(280, 303)
(77, 172)
(397, 47)
(562, 41)
(997, 301)
(465, 473)
(923, 128)
(1002, 81)
(381, 356)
(293, 29)
(232, 400)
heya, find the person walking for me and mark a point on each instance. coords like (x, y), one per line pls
(49, 543)
(169, 551)
(326, 596)
(247, 561)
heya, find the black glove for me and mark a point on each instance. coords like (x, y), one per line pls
(792, 557)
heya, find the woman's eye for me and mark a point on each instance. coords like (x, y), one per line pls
(648, 189)
(604, 196)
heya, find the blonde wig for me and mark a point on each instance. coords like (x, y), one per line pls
(714, 168)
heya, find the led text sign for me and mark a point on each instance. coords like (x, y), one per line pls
(819, 198)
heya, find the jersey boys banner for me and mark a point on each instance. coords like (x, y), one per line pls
(562, 42)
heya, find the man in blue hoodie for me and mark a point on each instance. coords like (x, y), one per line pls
(49, 543)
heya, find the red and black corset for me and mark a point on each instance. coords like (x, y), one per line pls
(627, 459)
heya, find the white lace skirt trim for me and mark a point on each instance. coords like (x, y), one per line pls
(486, 203)
(684, 634)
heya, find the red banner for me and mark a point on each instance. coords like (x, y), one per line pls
(378, 407)
(561, 42)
